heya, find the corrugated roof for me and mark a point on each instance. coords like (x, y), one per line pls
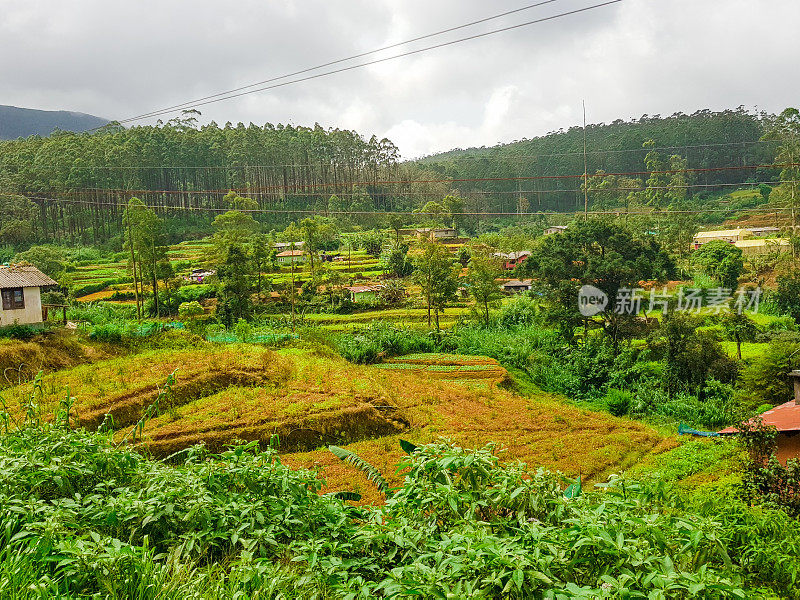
(785, 417)
(720, 233)
(23, 276)
(357, 289)
(518, 283)
(291, 253)
(761, 242)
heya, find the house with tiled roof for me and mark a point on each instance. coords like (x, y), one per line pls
(20, 292)
(785, 418)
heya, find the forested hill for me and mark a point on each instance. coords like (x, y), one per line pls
(706, 139)
(22, 122)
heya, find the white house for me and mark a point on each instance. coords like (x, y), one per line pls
(288, 257)
(555, 229)
(20, 290)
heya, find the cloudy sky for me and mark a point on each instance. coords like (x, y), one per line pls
(119, 59)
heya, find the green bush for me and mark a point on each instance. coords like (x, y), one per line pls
(618, 402)
(19, 332)
(461, 522)
(368, 344)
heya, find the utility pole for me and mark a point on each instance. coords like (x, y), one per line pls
(585, 169)
(291, 250)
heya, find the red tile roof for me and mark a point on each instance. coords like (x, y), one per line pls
(784, 417)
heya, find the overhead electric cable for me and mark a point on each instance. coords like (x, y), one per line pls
(341, 60)
(380, 60)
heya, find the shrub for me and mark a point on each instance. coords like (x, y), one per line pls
(618, 402)
(19, 332)
(368, 344)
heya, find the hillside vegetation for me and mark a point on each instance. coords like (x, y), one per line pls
(309, 401)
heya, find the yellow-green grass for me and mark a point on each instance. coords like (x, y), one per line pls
(750, 350)
(246, 392)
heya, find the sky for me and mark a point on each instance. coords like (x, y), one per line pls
(119, 59)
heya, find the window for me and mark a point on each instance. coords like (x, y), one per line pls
(13, 299)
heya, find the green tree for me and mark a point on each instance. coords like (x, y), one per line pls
(142, 240)
(233, 297)
(49, 260)
(484, 269)
(395, 261)
(785, 129)
(598, 253)
(739, 328)
(232, 228)
(435, 274)
(721, 260)
(787, 295)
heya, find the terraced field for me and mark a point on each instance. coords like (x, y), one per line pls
(450, 367)
(246, 392)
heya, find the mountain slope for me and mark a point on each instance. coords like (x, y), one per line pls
(21, 122)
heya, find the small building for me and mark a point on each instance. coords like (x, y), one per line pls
(516, 286)
(436, 233)
(198, 275)
(728, 235)
(555, 229)
(512, 259)
(288, 257)
(786, 419)
(754, 247)
(764, 231)
(281, 246)
(21, 293)
(363, 293)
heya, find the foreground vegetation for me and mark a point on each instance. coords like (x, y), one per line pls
(83, 516)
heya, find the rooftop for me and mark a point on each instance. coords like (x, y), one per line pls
(290, 253)
(784, 417)
(518, 283)
(24, 276)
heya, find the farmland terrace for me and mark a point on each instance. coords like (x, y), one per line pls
(309, 400)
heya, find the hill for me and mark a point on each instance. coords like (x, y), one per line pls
(706, 139)
(309, 401)
(23, 122)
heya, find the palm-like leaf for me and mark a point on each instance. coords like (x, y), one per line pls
(370, 471)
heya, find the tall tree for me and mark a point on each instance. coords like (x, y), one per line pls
(605, 255)
(785, 129)
(437, 277)
(484, 269)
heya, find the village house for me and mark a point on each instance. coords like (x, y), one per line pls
(754, 247)
(20, 290)
(728, 235)
(786, 419)
(512, 259)
(199, 275)
(555, 229)
(288, 257)
(516, 286)
(434, 233)
(363, 293)
(281, 246)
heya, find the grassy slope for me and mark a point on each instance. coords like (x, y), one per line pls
(309, 400)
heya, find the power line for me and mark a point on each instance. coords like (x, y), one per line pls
(379, 60)
(341, 60)
(618, 211)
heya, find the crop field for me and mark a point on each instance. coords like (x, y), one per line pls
(310, 401)
(477, 370)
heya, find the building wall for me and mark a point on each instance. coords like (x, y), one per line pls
(788, 446)
(31, 314)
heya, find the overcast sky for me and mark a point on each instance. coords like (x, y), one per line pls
(118, 59)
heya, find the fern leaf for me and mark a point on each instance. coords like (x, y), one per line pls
(370, 471)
